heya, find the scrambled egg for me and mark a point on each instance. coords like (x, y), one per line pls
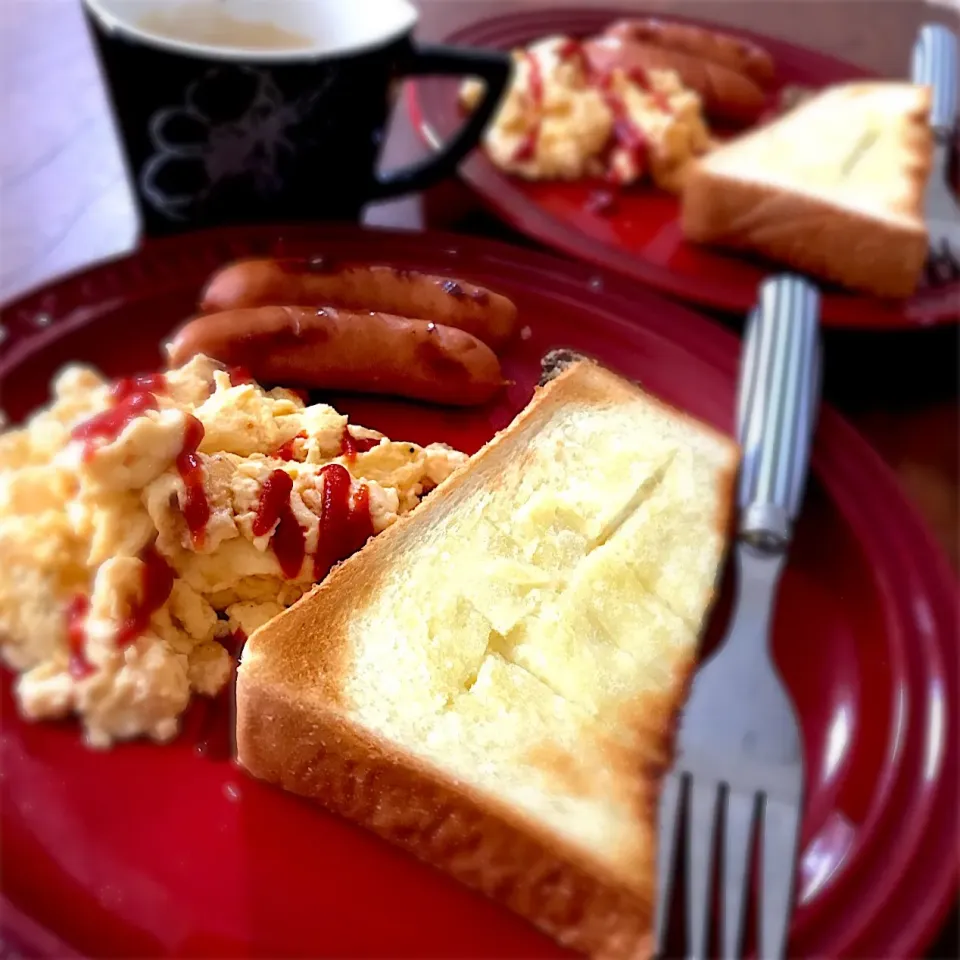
(560, 122)
(113, 606)
(552, 124)
(669, 118)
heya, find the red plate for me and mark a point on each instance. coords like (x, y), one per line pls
(641, 238)
(149, 850)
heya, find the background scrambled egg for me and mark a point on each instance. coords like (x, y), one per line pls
(79, 522)
(557, 122)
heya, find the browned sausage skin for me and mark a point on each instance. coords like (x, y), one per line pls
(727, 96)
(725, 50)
(733, 77)
(330, 349)
(321, 282)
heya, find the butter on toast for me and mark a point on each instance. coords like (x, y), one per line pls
(493, 682)
(834, 188)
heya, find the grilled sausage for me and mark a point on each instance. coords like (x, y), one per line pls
(321, 282)
(332, 349)
(734, 53)
(732, 77)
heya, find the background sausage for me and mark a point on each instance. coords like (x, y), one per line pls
(728, 96)
(734, 53)
(333, 349)
(320, 282)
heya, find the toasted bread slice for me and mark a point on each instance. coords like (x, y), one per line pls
(834, 188)
(493, 682)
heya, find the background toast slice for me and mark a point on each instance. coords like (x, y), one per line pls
(834, 188)
(493, 682)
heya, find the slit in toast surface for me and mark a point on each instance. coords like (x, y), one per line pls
(537, 618)
(530, 630)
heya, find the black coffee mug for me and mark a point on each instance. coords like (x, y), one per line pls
(285, 125)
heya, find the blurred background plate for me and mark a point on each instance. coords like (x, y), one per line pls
(158, 851)
(640, 237)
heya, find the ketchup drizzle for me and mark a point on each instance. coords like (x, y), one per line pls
(126, 387)
(286, 450)
(344, 527)
(196, 507)
(528, 145)
(568, 49)
(288, 541)
(274, 493)
(76, 615)
(134, 396)
(351, 445)
(641, 78)
(109, 424)
(156, 584)
(239, 375)
(626, 134)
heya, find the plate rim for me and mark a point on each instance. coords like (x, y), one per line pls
(505, 200)
(705, 340)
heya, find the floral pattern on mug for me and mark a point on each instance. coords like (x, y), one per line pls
(234, 129)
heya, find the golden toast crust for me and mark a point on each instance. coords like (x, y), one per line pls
(316, 752)
(292, 730)
(880, 250)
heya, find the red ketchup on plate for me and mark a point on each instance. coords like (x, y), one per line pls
(132, 397)
(626, 134)
(351, 445)
(568, 50)
(156, 582)
(107, 426)
(196, 507)
(126, 387)
(76, 615)
(345, 526)
(345, 523)
(239, 375)
(274, 508)
(528, 145)
(286, 450)
(155, 587)
(641, 78)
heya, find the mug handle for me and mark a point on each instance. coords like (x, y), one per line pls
(494, 67)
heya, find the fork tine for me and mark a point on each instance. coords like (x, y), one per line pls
(700, 830)
(781, 823)
(667, 827)
(737, 847)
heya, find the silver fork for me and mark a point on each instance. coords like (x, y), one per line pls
(739, 748)
(935, 65)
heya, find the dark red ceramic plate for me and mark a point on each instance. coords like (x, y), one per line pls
(147, 850)
(641, 237)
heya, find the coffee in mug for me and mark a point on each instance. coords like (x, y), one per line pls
(208, 22)
(239, 111)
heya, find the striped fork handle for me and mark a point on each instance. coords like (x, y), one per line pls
(776, 408)
(935, 65)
